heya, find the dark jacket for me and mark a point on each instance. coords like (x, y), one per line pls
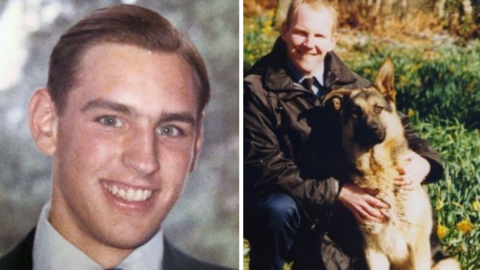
(20, 258)
(285, 127)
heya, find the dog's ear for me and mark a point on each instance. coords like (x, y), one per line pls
(385, 80)
(336, 98)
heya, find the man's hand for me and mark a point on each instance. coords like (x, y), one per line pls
(363, 206)
(414, 172)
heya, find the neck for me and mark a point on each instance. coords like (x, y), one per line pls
(104, 255)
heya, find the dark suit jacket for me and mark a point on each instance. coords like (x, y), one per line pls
(20, 258)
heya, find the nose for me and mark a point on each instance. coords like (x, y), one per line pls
(141, 153)
(373, 127)
(308, 41)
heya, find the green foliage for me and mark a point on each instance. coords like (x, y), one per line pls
(443, 83)
(456, 199)
(440, 90)
(258, 37)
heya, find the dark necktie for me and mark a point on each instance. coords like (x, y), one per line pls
(308, 83)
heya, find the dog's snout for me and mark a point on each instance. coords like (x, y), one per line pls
(369, 133)
(374, 127)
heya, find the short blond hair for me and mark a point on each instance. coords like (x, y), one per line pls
(316, 4)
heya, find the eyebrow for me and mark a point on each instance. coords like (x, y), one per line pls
(125, 109)
(109, 105)
(178, 117)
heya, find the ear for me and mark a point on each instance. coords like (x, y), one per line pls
(42, 119)
(385, 80)
(336, 98)
(334, 41)
(198, 142)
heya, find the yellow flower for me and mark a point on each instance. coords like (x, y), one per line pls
(464, 226)
(411, 112)
(271, 13)
(441, 231)
(476, 205)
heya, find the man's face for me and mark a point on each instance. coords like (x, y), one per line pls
(309, 37)
(128, 137)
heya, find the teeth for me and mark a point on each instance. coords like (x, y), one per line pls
(147, 194)
(305, 54)
(121, 194)
(129, 195)
(114, 190)
(138, 195)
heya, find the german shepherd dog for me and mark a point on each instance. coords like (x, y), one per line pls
(374, 142)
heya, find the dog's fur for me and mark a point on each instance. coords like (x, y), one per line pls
(374, 142)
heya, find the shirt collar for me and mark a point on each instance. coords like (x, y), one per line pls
(52, 251)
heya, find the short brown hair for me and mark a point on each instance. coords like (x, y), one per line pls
(316, 4)
(123, 24)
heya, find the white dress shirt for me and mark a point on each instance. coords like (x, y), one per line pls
(51, 251)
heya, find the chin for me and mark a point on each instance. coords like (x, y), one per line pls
(129, 239)
(308, 67)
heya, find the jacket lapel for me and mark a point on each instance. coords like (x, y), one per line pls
(20, 258)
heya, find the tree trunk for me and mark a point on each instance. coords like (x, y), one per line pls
(467, 11)
(440, 8)
(403, 10)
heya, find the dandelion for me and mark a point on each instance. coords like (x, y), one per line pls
(441, 231)
(271, 13)
(464, 226)
(411, 112)
(476, 205)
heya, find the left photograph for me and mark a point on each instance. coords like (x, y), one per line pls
(119, 140)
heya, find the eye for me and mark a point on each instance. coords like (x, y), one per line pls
(169, 131)
(377, 109)
(300, 33)
(110, 121)
(356, 111)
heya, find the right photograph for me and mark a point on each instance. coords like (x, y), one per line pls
(361, 135)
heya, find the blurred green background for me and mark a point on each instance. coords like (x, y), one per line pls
(205, 221)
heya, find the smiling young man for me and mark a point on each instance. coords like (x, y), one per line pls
(122, 117)
(294, 207)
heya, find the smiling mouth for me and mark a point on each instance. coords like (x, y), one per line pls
(130, 194)
(305, 54)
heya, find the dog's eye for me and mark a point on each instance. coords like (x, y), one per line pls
(377, 109)
(356, 111)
